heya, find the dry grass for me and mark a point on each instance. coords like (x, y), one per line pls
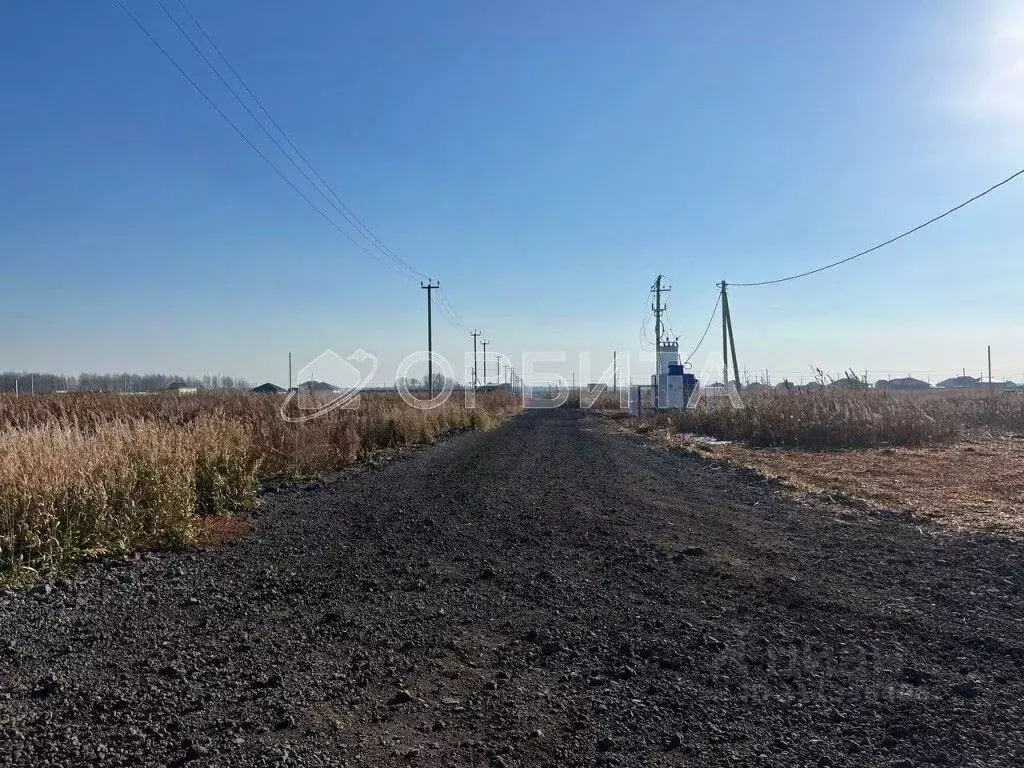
(94, 474)
(975, 485)
(836, 418)
(954, 457)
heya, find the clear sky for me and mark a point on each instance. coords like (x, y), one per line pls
(543, 160)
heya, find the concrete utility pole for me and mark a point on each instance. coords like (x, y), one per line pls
(990, 366)
(728, 342)
(485, 343)
(430, 288)
(476, 381)
(657, 290)
(615, 372)
(289, 371)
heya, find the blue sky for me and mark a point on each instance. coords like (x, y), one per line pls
(544, 161)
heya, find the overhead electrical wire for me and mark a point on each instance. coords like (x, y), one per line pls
(645, 338)
(339, 205)
(234, 126)
(401, 266)
(446, 303)
(891, 240)
(449, 317)
(382, 254)
(689, 357)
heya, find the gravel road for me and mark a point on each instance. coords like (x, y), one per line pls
(551, 593)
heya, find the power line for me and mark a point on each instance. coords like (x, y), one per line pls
(446, 304)
(337, 203)
(644, 320)
(704, 335)
(891, 240)
(448, 317)
(347, 212)
(344, 213)
(245, 138)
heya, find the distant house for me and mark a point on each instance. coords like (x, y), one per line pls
(181, 388)
(313, 386)
(848, 383)
(959, 382)
(267, 389)
(906, 384)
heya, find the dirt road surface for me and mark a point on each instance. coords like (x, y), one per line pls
(551, 593)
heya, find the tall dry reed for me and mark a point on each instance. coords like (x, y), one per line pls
(106, 473)
(837, 418)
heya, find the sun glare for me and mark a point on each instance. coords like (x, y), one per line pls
(1000, 90)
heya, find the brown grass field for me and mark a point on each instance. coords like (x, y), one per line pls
(95, 474)
(954, 458)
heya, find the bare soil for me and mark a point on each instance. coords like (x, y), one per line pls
(551, 593)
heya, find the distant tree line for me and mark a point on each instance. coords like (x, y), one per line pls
(440, 380)
(48, 383)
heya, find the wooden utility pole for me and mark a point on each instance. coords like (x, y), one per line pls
(430, 288)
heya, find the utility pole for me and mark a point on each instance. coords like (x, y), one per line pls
(615, 372)
(725, 342)
(990, 367)
(728, 342)
(430, 288)
(289, 371)
(485, 343)
(476, 381)
(657, 290)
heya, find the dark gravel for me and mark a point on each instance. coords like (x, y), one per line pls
(550, 593)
